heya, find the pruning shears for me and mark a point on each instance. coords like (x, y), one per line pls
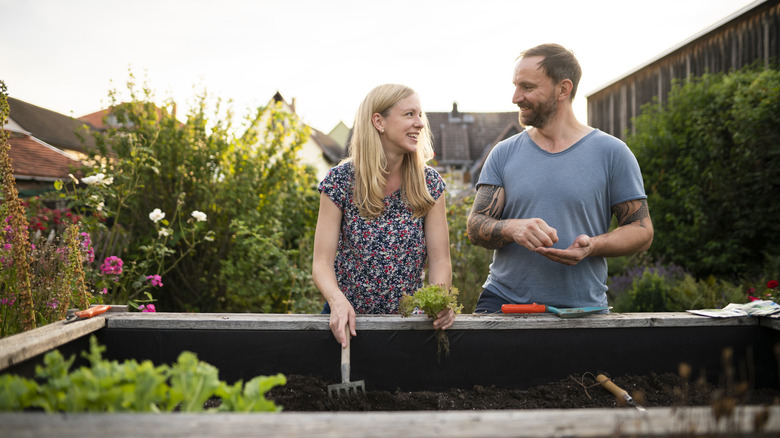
(89, 313)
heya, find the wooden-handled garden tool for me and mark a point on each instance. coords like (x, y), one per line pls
(572, 312)
(349, 388)
(617, 391)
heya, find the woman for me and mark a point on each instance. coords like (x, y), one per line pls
(382, 215)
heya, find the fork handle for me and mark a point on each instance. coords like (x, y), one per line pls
(345, 357)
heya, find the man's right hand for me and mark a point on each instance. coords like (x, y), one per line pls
(530, 233)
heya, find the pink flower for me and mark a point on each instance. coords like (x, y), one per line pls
(147, 308)
(112, 266)
(104, 291)
(156, 280)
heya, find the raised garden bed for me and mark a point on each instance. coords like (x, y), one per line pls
(394, 355)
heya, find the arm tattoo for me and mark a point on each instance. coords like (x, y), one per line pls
(631, 212)
(484, 224)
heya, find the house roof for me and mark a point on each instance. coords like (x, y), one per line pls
(96, 119)
(52, 127)
(330, 148)
(461, 138)
(35, 160)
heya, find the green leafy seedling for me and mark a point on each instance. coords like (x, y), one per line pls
(431, 300)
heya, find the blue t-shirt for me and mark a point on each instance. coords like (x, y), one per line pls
(573, 191)
(380, 259)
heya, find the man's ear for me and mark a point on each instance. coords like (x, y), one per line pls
(564, 89)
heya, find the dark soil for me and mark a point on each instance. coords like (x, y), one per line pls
(305, 393)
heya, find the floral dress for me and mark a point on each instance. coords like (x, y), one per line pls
(380, 259)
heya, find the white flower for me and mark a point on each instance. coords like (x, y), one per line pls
(73, 178)
(100, 206)
(98, 178)
(199, 215)
(164, 232)
(94, 179)
(156, 215)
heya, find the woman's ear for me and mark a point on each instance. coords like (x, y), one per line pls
(378, 121)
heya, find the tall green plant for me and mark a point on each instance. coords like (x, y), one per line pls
(40, 278)
(16, 281)
(709, 156)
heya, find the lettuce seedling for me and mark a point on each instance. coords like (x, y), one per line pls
(431, 300)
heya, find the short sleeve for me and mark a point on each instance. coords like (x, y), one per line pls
(336, 185)
(435, 183)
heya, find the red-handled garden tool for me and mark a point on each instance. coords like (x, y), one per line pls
(349, 388)
(572, 312)
(89, 313)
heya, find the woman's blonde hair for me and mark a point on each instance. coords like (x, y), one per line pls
(369, 161)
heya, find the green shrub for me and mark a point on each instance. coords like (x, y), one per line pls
(470, 263)
(261, 275)
(661, 288)
(707, 156)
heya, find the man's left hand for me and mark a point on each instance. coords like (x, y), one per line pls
(571, 255)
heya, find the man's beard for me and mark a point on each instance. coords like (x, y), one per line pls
(541, 116)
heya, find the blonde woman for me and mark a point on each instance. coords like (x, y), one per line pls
(382, 215)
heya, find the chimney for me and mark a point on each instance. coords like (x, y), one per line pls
(292, 105)
(454, 109)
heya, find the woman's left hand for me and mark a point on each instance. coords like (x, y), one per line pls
(444, 319)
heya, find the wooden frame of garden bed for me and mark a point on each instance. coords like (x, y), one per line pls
(619, 344)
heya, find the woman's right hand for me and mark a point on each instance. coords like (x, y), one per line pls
(341, 314)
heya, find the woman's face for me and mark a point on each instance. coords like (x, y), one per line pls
(401, 127)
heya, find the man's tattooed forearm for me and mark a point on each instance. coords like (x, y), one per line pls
(485, 231)
(631, 211)
(484, 225)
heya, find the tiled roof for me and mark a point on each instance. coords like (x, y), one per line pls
(460, 138)
(96, 119)
(52, 127)
(32, 159)
(332, 151)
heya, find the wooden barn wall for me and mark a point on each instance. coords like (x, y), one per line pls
(752, 36)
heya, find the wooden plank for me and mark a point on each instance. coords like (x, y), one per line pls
(22, 346)
(257, 321)
(773, 323)
(655, 422)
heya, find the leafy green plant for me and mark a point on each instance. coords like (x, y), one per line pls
(130, 386)
(432, 299)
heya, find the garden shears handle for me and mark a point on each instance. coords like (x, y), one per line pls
(523, 308)
(88, 313)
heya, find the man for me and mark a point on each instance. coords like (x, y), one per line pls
(546, 197)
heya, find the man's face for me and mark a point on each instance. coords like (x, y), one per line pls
(534, 93)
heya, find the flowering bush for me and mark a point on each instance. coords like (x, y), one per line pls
(771, 293)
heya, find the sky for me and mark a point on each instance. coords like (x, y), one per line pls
(65, 55)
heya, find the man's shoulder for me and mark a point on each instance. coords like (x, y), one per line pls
(513, 141)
